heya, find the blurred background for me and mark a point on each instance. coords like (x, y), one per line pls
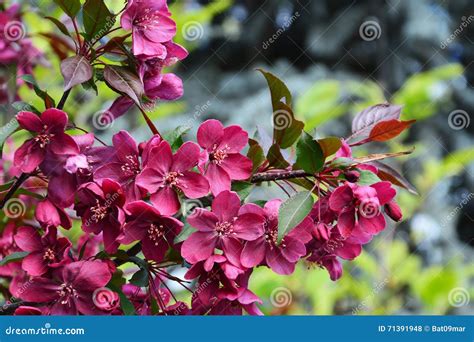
(337, 57)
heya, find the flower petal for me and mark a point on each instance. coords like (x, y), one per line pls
(210, 133)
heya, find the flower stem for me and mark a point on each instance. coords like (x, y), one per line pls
(150, 124)
(273, 176)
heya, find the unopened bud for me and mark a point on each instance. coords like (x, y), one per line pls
(393, 211)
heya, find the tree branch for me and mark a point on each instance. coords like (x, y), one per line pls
(272, 176)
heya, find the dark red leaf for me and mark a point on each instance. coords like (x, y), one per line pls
(386, 130)
(369, 117)
(75, 70)
(387, 173)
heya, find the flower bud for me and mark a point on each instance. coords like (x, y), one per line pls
(393, 211)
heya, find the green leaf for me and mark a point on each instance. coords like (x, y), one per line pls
(286, 129)
(341, 163)
(23, 106)
(309, 155)
(243, 189)
(293, 211)
(115, 284)
(278, 89)
(16, 256)
(175, 137)
(255, 154)
(275, 158)
(329, 145)
(8, 130)
(140, 278)
(48, 100)
(75, 70)
(367, 178)
(185, 233)
(97, 19)
(70, 7)
(59, 25)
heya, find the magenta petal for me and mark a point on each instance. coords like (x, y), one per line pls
(385, 192)
(166, 200)
(226, 206)
(232, 249)
(125, 145)
(237, 166)
(253, 253)
(210, 133)
(373, 225)
(198, 246)
(154, 250)
(62, 143)
(34, 264)
(203, 220)
(134, 231)
(28, 239)
(346, 223)
(143, 47)
(194, 185)
(160, 158)
(293, 250)
(186, 157)
(341, 198)
(39, 290)
(30, 121)
(110, 233)
(87, 275)
(55, 119)
(170, 88)
(218, 179)
(278, 263)
(29, 156)
(150, 179)
(249, 226)
(234, 139)
(349, 251)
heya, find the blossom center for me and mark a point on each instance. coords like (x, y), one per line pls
(148, 18)
(218, 155)
(271, 234)
(333, 244)
(65, 292)
(44, 138)
(49, 255)
(224, 228)
(130, 167)
(99, 211)
(172, 178)
(155, 233)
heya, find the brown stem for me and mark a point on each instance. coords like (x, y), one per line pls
(150, 124)
(23, 177)
(272, 176)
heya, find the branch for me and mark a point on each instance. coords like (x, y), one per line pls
(273, 176)
(150, 124)
(23, 177)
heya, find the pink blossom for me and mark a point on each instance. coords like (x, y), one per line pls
(222, 160)
(224, 227)
(49, 136)
(69, 291)
(146, 224)
(280, 257)
(45, 252)
(166, 174)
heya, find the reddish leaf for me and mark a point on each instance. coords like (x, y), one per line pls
(75, 70)
(286, 129)
(369, 117)
(387, 173)
(278, 89)
(389, 129)
(124, 82)
(256, 154)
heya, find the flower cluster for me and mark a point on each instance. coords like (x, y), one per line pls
(107, 226)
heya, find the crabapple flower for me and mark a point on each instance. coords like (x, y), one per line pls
(45, 252)
(100, 207)
(224, 227)
(155, 231)
(166, 175)
(7, 247)
(280, 257)
(221, 161)
(359, 206)
(151, 26)
(49, 136)
(50, 215)
(71, 288)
